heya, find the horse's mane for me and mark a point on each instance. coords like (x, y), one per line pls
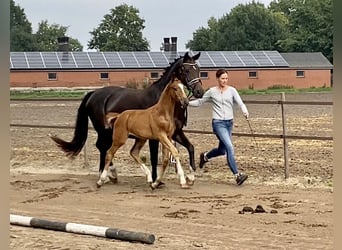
(167, 69)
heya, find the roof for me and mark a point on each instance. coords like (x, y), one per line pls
(307, 60)
(161, 59)
(142, 59)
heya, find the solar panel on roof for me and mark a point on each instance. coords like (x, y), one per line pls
(51, 60)
(18, 60)
(159, 59)
(113, 59)
(66, 59)
(206, 60)
(219, 59)
(82, 60)
(143, 58)
(35, 60)
(128, 60)
(98, 60)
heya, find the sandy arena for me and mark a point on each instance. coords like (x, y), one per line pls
(45, 184)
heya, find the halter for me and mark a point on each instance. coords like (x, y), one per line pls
(190, 83)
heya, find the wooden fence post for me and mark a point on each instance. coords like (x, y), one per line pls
(285, 145)
(86, 162)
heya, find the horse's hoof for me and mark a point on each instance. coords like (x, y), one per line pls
(113, 180)
(160, 185)
(98, 184)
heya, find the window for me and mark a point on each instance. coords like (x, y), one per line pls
(154, 75)
(299, 73)
(104, 75)
(52, 76)
(204, 74)
(252, 74)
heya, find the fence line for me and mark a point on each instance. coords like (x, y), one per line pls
(282, 136)
(246, 101)
(193, 131)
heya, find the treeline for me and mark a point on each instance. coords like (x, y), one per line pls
(284, 25)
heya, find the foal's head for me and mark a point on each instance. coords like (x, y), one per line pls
(189, 74)
(177, 93)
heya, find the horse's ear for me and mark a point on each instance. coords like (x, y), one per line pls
(186, 55)
(195, 57)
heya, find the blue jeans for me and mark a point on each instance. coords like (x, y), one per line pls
(223, 131)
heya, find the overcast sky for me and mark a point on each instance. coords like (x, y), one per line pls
(163, 18)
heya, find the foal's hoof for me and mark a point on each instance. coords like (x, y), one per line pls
(189, 181)
(185, 186)
(98, 184)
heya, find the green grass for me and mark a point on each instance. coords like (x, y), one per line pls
(273, 90)
(34, 94)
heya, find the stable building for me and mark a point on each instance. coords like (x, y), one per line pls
(247, 69)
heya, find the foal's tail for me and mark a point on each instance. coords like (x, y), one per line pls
(110, 119)
(74, 147)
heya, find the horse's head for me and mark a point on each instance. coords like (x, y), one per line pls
(188, 73)
(177, 92)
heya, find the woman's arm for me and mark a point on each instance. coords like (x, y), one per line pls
(199, 101)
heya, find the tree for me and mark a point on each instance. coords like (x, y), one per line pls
(204, 38)
(47, 35)
(246, 27)
(21, 37)
(121, 30)
(309, 25)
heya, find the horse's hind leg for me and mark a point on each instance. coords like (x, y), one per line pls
(154, 147)
(103, 143)
(135, 150)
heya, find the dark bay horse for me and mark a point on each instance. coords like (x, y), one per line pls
(155, 122)
(97, 103)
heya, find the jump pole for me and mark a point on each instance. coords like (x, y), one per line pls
(111, 233)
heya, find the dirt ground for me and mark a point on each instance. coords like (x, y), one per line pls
(299, 210)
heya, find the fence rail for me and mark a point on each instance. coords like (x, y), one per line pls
(282, 136)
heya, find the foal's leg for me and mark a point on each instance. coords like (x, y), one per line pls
(180, 137)
(169, 145)
(117, 143)
(139, 143)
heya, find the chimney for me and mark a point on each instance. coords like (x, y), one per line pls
(166, 44)
(173, 43)
(63, 43)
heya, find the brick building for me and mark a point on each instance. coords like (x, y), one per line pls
(247, 69)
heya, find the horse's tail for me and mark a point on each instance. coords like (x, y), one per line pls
(74, 147)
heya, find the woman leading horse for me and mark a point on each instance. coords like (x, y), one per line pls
(97, 103)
